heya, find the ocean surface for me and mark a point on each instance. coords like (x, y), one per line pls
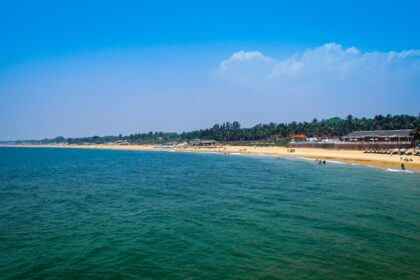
(82, 214)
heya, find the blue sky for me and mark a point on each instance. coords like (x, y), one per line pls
(79, 68)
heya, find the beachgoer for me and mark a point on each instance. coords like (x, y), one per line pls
(323, 162)
(402, 166)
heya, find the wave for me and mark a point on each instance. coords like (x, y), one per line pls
(398, 170)
(335, 161)
(328, 161)
(261, 155)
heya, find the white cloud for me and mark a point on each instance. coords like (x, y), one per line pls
(330, 77)
(328, 62)
(245, 67)
(404, 54)
(242, 56)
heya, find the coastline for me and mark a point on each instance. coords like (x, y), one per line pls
(345, 156)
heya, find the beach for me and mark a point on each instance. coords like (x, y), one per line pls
(347, 156)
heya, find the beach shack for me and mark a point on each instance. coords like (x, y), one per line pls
(169, 145)
(203, 143)
(121, 143)
(297, 137)
(402, 136)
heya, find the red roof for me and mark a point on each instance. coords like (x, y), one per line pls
(297, 136)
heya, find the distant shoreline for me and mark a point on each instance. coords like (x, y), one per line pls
(346, 156)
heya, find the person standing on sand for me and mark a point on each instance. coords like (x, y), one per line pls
(402, 166)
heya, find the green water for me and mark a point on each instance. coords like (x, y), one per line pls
(73, 213)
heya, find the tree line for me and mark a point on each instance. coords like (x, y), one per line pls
(232, 131)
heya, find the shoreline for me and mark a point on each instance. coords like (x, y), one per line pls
(345, 156)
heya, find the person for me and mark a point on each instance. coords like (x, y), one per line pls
(402, 166)
(323, 162)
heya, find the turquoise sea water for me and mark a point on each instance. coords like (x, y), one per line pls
(73, 213)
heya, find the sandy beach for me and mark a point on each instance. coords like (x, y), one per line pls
(358, 157)
(355, 157)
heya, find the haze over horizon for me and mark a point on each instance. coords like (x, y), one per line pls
(80, 69)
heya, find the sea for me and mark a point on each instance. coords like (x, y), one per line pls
(113, 214)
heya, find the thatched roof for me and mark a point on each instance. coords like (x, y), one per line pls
(202, 142)
(380, 133)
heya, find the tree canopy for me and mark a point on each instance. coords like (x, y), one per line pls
(232, 131)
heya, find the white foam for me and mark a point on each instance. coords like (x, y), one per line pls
(336, 162)
(397, 170)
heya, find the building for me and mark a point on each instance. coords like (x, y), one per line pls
(402, 136)
(322, 139)
(296, 137)
(121, 143)
(169, 145)
(203, 143)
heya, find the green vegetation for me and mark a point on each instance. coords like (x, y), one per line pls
(334, 127)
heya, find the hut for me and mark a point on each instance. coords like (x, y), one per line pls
(169, 145)
(121, 143)
(203, 143)
(402, 136)
(297, 137)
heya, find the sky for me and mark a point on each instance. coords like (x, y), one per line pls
(83, 68)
